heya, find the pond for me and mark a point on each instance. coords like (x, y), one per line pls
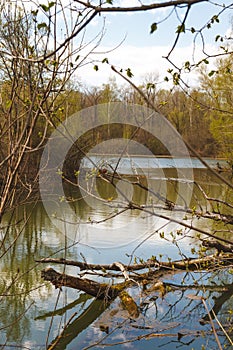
(91, 225)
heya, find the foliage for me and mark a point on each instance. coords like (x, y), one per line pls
(218, 88)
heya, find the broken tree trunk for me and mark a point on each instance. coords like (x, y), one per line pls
(98, 290)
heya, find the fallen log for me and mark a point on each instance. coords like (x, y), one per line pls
(98, 290)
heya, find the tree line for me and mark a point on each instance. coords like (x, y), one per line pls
(32, 105)
(38, 91)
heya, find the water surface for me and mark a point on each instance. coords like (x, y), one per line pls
(33, 313)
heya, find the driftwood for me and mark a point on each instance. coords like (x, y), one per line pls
(154, 269)
(149, 270)
(98, 290)
(192, 264)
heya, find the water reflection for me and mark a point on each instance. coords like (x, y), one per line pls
(29, 307)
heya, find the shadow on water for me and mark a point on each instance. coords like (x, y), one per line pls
(76, 326)
(58, 312)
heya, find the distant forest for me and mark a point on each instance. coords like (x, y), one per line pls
(202, 116)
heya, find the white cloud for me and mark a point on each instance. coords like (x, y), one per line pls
(141, 61)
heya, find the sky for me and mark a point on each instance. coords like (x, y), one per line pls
(127, 42)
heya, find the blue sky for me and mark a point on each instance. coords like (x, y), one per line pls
(137, 25)
(142, 51)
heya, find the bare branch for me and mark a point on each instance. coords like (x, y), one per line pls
(140, 8)
(191, 263)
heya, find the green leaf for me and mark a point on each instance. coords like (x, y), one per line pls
(109, 2)
(76, 173)
(8, 103)
(215, 19)
(224, 48)
(96, 68)
(206, 61)
(193, 250)
(46, 8)
(193, 30)
(211, 73)
(34, 13)
(153, 28)
(59, 171)
(163, 103)
(161, 234)
(51, 4)
(42, 25)
(166, 79)
(129, 73)
(187, 66)
(176, 78)
(217, 37)
(54, 63)
(62, 199)
(180, 29)
(150, 86)
(105, 60)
